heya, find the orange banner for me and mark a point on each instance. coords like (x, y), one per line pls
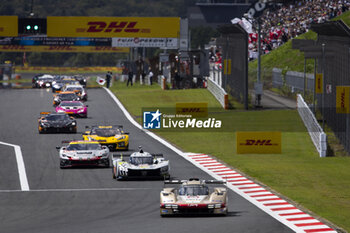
(164, 27)
(63, 49)
(8, 26)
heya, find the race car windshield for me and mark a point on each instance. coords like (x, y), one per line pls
(141, 160)
(84, 146)
(193, 190)
(105, 132)
(68, 96)
(72, 104)
(57, 117)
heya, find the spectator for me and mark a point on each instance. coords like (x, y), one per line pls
(108, 78)
(150, 76)
(130, 77)
(287, 21)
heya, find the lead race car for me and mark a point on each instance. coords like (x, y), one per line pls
(140, 165)
(83, 153)
(193, 197)
(49, 122)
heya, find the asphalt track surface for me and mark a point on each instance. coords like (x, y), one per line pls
(88, 199)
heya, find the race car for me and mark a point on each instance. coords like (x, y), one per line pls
(193, 197)
(140, 165)
(56, 122)
(34, 80)
(43, 81)
(83, 153)
(60, 82)
(64, 96)
(75, 108)
(112, 136)
(78, 89)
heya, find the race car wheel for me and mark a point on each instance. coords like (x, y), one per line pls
(107, 164)
(114, 177)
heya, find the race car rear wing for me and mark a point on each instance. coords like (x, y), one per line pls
(120, 156)
(191, 179)
(127, 155)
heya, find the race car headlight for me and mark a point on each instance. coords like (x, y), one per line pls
(64, 155)
(81, 110)
(73, 123)
(56, 86)
(210, 206)
(60, 110)
(217, 205)
(120, 137)
(47, 84)
(43, 124)
(164, 169)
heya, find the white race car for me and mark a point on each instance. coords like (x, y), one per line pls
(140, 165)
(83, 153)
(193, 197)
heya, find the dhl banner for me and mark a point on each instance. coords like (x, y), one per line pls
(163, 27)
(8, 25)
(69, 69)
(259, 142)
(227, 66)
(319, 84)
(193, 109)
(63, 49)
(342, 98)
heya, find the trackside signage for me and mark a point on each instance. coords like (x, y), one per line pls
(259, 142)
(193, 109)
(131, 27)
(343, 99)
(62, 49)
(8, 25)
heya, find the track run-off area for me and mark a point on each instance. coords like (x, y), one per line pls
(37, 196)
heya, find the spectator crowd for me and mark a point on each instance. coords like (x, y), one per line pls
(286, 21)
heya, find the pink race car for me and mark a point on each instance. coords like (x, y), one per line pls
(75, 108)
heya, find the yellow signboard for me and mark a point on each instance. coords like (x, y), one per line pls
(319, 84)
(163, 27)
(63, 49)
(9, 26)
(342, 98)
(193, 109)
(259, 142)
(227, 66)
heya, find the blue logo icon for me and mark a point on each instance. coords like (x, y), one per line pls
(151, 120)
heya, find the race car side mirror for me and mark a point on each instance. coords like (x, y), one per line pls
(58, 147)
(86, 105)
(126, 133)
(104, 147)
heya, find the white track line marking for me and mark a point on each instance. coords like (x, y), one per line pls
(213, 171)
(75, 190)
(20, 165)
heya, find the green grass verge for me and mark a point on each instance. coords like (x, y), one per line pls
(321, 185)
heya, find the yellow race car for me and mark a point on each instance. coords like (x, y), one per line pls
(111, 136)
